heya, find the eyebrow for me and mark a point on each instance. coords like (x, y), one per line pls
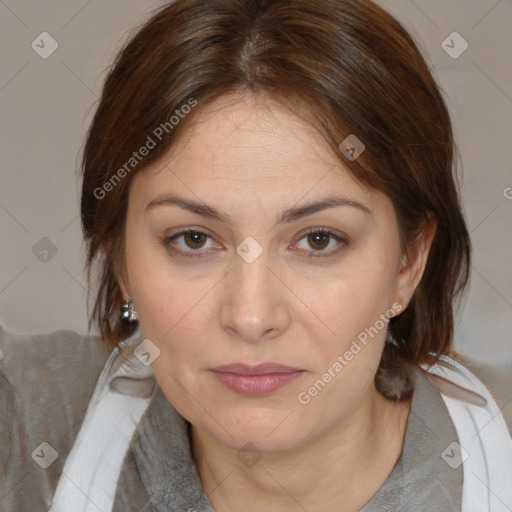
(290, 215)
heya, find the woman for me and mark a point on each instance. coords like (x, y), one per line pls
(276, 244)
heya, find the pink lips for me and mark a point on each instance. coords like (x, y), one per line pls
(255, 380)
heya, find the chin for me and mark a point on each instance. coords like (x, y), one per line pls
(266, 429)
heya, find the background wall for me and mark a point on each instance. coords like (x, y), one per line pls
(47, 100)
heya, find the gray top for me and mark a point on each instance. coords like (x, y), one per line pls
(46, 382)
(422, 480)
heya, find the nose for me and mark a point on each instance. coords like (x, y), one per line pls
(254, 303)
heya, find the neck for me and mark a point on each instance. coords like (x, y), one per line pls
(341, 469)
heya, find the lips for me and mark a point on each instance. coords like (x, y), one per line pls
(256, 380)
(260, 369)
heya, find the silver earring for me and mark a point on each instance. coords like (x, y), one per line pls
(128, 314)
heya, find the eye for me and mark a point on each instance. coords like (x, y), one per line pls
(319, 239)
(193, 239)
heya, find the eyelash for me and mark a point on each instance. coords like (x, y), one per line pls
(200, 254)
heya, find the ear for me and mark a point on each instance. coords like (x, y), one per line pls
(411, 271)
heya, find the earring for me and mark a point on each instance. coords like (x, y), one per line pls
(128, 314)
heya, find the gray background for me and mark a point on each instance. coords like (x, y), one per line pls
(47, 104)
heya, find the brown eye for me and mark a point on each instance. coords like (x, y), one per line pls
(318, 240)
(195, 239)
(191, 242)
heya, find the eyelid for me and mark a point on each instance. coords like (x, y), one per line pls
(199, 253)
(342, 240)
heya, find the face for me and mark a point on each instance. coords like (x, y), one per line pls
(254, 277)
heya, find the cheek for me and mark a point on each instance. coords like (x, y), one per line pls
(168, 313)
(160, 300)
(347, 355)
(354, 299)
(176, 315)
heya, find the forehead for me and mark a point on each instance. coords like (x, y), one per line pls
(253, 148)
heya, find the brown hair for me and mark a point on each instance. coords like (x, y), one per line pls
(355, 70)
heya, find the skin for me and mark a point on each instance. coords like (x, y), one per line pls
(252, 159)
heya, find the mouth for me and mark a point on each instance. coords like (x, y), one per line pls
(256, 380)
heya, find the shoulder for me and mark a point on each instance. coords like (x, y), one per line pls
(489, 379)
(46, 381)
(61, 346)
(51, 374)
(477, 384)
(484, 445)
